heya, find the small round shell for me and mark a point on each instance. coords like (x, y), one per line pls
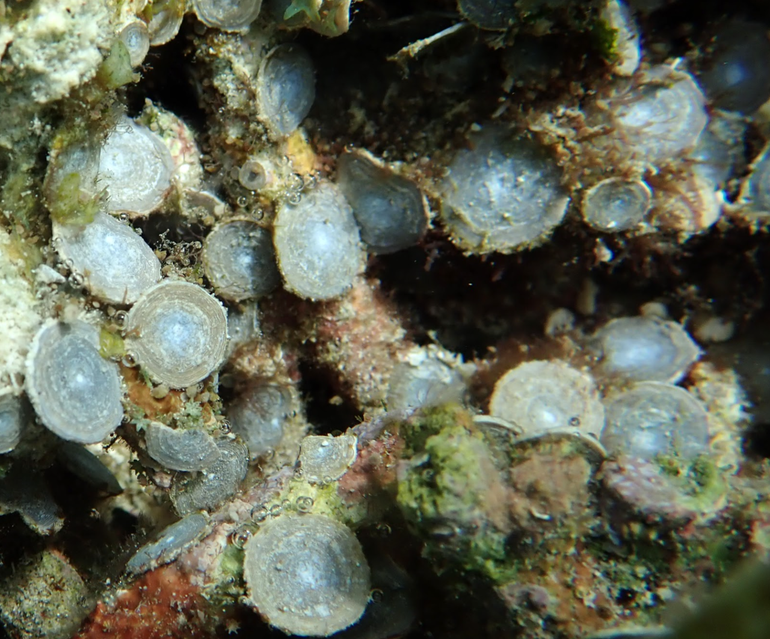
(258, 415)
(542, 396)
(135, 168)
(391, 211)
(502, 193)
(177, 332)
(324, 458)
(755, 193)
(285, 88)
(428, 377)
(616, 204)
(652, 419)
(116, 263)
(136, 38)
(228, 15)
(317, 244)
(75, 392)
(644, 349)
(239, 261)
(307, 575)
(180, 449)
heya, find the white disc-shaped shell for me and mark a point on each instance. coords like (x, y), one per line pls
(136, 38)
(653, 419)
(541, 396)
(115, 262)
(239, 260)
(135, 168)
(307, 575)
(317, 244)
(285, 88)
(616, 204)
(390, 210)
(662, 118)
(75, 392)
(501, 193)
(325, 458)
(180, 448)
(228, 15)
(644, 349)
(177, 332)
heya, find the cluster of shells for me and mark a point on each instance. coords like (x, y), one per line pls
(173, 276)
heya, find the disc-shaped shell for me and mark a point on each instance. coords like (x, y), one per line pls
(390, 210)
(180, 448)
(652, 419)
(134, 168)
(117, 265)
(616, 204)
(317, 244)
(644, 349)
(325, 458)
(285, 88)
(307, 575)
(501, 193)
(239, 260)
(75, 392)
(541, 396)
(177, 332)
(228, 15)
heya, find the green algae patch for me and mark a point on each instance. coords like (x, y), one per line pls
(452, 495)
(71, 204)
(116, 71)
(111, 345)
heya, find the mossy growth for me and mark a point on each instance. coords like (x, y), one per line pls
(115, 70)
(605, 38)
(111, 345)
(452, 495)
(71, 204)
(699, 481)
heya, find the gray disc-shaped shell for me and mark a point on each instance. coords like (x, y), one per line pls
(307, 575)
(11, 421)
(652, 419)
(542, 396)
(661, 119)
(76, 393)
(117, 264)
(135, 168)
(259, 414)
(317, 244)
(172, 541)
(325, 458)
(177, 332)
(501, 193)
(228, 15)
(285, 88)
(180, 448)
(616, 204)
(239, 260)
(212, 487)
(644, 349)
(391, 211)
